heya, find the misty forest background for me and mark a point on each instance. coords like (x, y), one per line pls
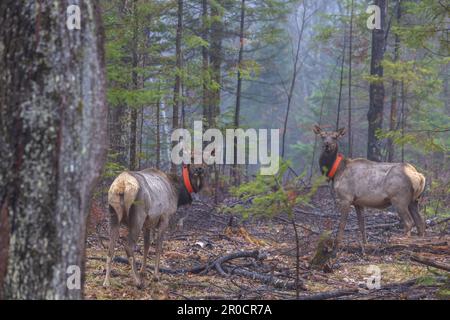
(279, 64)
(78, 105)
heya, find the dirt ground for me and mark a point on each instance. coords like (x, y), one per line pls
(203, 236)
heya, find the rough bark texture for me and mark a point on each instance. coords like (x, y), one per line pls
(52, 138)
(376, 89)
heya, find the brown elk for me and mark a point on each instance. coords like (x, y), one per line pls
(145, 200)
(363, 183)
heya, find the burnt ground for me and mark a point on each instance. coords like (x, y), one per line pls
(204, 236)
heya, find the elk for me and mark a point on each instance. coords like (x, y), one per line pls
(145, 201)
(363, 183)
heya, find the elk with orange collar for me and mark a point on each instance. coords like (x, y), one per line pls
(145, 200)
(363, 183)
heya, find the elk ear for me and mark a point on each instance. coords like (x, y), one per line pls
(316, 129)
(341, 132)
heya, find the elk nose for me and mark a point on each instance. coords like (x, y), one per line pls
(198, 170)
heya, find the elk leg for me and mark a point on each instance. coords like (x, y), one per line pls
(418, 219)
(146, 248)
(403, 212)
(407, 221)
(163, 224)
(136, 221)
(345, 210)
(362, 226)
(114, 226)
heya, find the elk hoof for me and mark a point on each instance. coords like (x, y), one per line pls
(140, 285)
(155, 278)
(106, 283)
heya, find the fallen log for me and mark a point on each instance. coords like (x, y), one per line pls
(430, 263)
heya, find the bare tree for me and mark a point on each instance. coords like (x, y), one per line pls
(295, 72)
(376, 88)
(177, 88)
(394, 112)
(349, 123)
(239, 86)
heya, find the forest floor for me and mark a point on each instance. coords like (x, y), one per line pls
(216, 256)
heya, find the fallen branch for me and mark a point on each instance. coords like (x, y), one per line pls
(123, 260)
(329, 294)
(376, 226)
(270, 280)
(435, 248)
(430, 263)
(433, 223)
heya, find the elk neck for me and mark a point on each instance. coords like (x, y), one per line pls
(326, 160)
(185, 188)
(184, 197)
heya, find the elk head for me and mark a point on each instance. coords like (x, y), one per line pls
(197, 173)
(329, 138)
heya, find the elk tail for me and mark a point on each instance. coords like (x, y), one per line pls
(122, 194)
(417, 181)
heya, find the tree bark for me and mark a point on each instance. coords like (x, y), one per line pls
(207, 115)
(215, 56)
(237, 110)
(158, 134)
(53, 143)
(134, 79)
(376, 88)
(394, 112)
(177, 87)
(349, 122)
(215, 60)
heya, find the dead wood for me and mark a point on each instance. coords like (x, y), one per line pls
(436, 222)
(329, 294)
(376, 226)
(440, 248)
(430, 262)
(270, 280)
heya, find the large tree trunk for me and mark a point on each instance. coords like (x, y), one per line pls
(375, 114)
(177, 88)
(53, 142)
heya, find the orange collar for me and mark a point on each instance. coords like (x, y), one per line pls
(335, 166)
(186, 180)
